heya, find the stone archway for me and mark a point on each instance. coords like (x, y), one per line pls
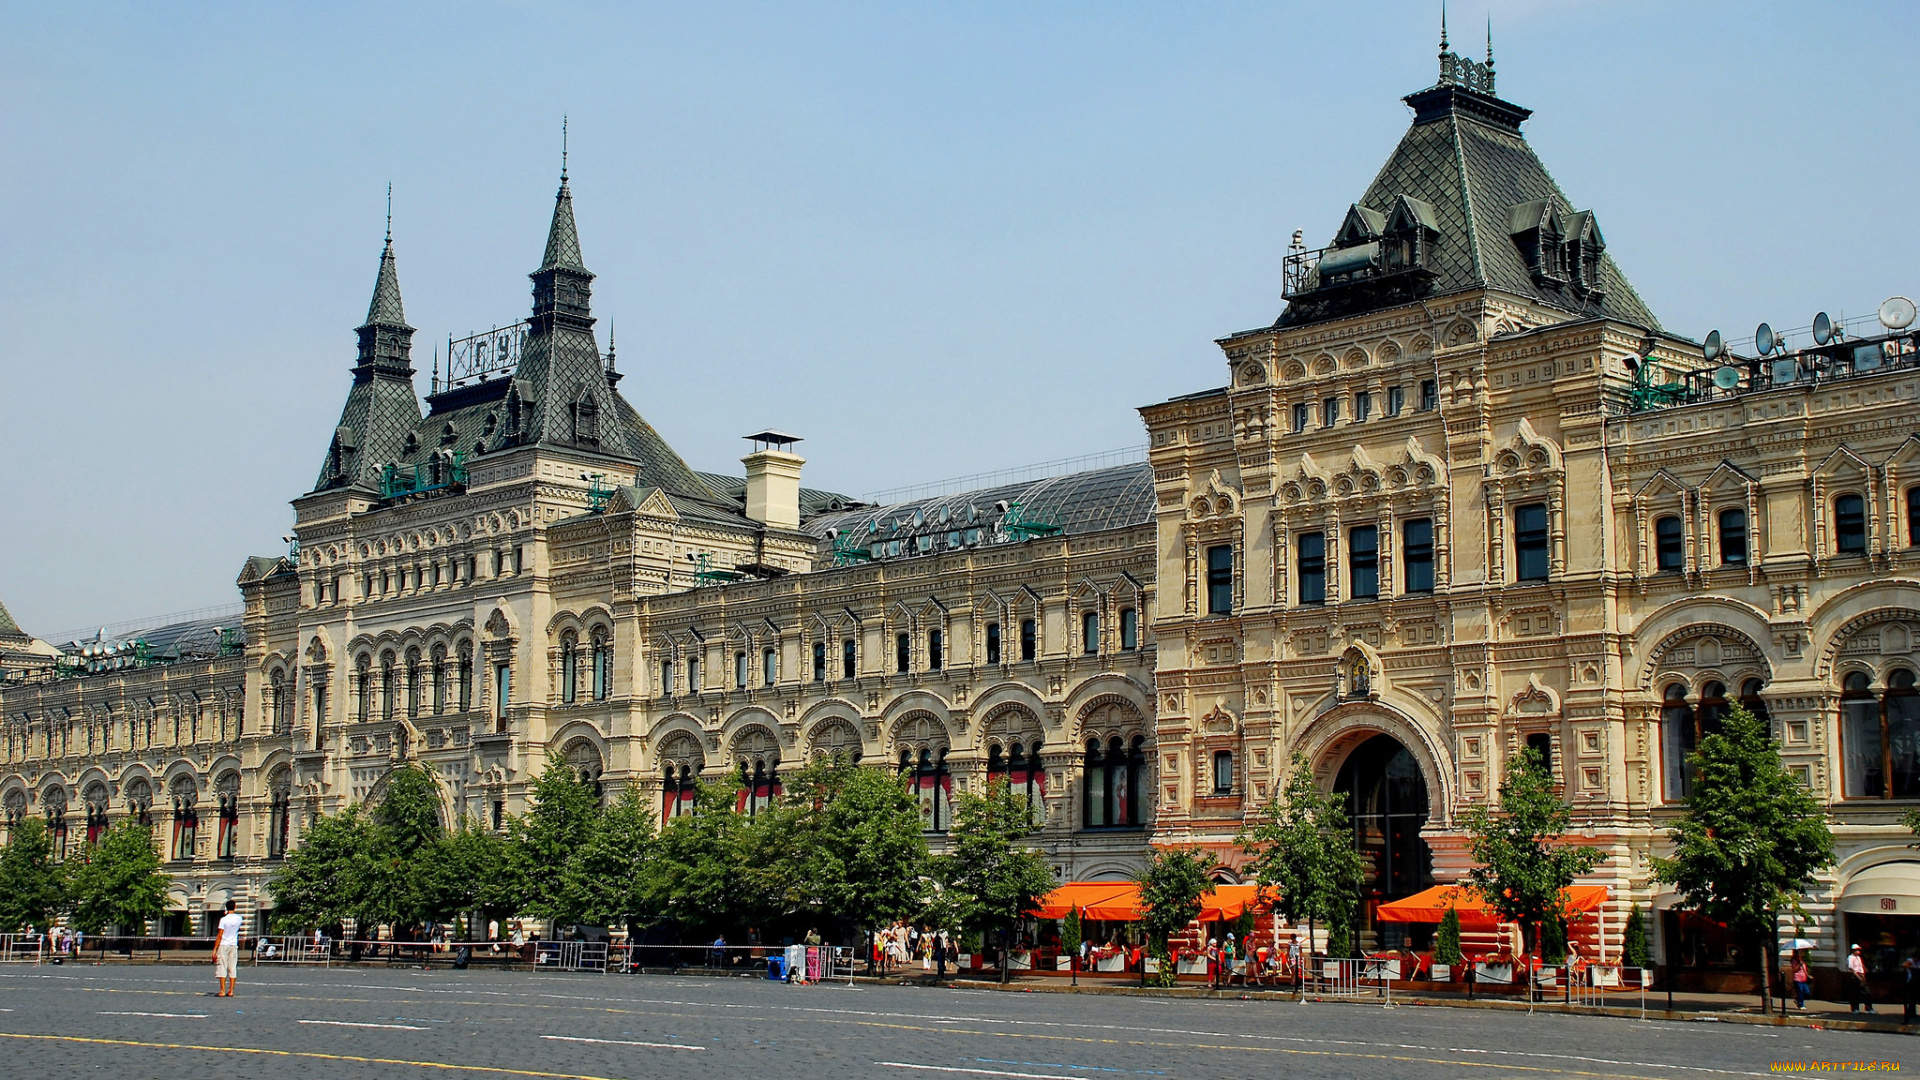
(1386, 800)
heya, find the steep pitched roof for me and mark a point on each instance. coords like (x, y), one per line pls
(1464, 171)
(381, 406)
(9, 628)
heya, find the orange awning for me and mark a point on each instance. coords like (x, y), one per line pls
(1119, 901)
(1229, 901)
(1431, 906)
(1089, 896)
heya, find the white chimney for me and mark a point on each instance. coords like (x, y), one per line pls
(773, 479)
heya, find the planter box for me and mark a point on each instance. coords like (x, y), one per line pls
(1063, 963)
(1441, 972)
(1111, 963)
(1152, 965)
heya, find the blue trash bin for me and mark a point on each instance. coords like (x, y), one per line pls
(777, 968)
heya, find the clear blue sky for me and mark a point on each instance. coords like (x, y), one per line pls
(934, 239)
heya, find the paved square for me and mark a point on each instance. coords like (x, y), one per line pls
(83, 1020)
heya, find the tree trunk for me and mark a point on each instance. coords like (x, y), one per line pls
(1767, 962)
(1006, 955)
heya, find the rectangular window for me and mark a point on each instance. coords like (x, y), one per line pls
(1396, 400)
(1029, 639)
(1363, 562)
(502, 692)
(1416, 554)
(936, 651)
(1300, 414)
(1220, 580)
(1429, 395)
(769, 667)
(1129, 628)
(1223, 772)
(693, 674)
(1530, 542)
(993, 643)
(1090, 632)
(819, 661)
(666, 678)
(902, 653)
(1669, 546)
(847, 655)
(1312, 555)
(1330, 412)
(1362, 406)
(740, 670)
(1733, 537)
(1850, 525)
(1913, 517)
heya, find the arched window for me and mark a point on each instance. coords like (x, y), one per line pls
(96, 802)
(389, 687)
(1751, 700)
(569, 666)
(757, 755)
(1850, 525)
(680, 780)
(362, 690)
(279, 812)
(602, 664)
(414, 689)
(1733, 537)
(1712, 711)
(139, 797)
(1110, 795)
(227, 838)
(1541, 744)
(930, 781)
(465, 677)
(1669, 546)
(186, 817)
(1678, 738)
(1880, 735)
(54, 801)
(583, 758)
(439, 676)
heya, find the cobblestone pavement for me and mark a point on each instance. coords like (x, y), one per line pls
(81, 1020)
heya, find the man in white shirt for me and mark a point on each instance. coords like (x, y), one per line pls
(226, 951)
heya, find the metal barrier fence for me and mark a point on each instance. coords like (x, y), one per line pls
(570, 956)
(1356, 979)
(1591, 986)
(22, 948)
(291, 950)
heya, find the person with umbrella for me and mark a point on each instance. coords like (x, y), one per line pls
(1801, 976)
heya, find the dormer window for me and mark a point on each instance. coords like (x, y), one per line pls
(413, 443)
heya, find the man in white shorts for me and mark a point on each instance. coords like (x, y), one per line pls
(226, 951)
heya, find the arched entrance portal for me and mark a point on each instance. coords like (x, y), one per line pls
(1387, 802)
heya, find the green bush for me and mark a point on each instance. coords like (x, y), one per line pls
(1634, 952)
(1446, 941)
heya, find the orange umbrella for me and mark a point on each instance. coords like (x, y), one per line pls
(1431, 905)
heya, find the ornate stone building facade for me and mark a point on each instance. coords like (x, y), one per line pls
(524, 568)
(1466, 496)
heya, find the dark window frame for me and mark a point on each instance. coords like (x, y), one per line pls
(1669, 544)
(1363, 562)
(1220, 579)
(1732, 526)
(1416, 555)
(1532, 557)
(1849, 524)
(1310, 567)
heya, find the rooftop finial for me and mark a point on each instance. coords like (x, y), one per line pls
(563, 150)
(389, 213)
(1489, 40)
(1443, 27)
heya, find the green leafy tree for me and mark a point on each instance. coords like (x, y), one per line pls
(1553, 941)
(609, 881)
(118, 881)
(858, 850)
(405, 831)
(1633, 950)
(471, 870)
(1526, 862)
(1070, 934)
(33, 888)
(558, 822)
(990, 876)
(1751, 839)
(703, 882)
(331, 876)
(1171, 886)
(1446, 940)
(1302, 846)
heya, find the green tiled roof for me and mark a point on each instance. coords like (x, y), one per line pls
(1466, 169)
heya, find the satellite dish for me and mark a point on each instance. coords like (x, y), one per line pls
(1763, 339)
(1822, 329)
(1897, 313)
(1714, 346)
(1727, 378)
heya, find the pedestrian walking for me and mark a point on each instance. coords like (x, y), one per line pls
(1910, 992)
(940, 956)
(1802, 979)
(226, 952)
(1858, 994)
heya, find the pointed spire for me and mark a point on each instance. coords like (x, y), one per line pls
(386, 310)
(563, 241)
(1443, 27)
(1489, 54)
